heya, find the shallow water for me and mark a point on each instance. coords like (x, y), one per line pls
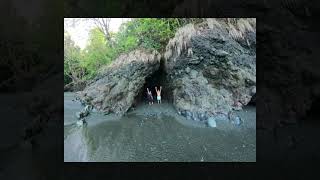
(156, 133)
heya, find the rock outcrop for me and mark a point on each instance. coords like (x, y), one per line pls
(212, 68)
(115, 88)
(210, 71)
(84, 112)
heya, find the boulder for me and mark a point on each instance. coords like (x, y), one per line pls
(81, 122)
(78, 115)
(84, 112)
(212, 122)
(237, 121)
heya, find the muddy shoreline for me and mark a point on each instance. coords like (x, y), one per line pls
(156, 133)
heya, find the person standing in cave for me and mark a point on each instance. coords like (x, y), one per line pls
(150, 97)
(158, 94)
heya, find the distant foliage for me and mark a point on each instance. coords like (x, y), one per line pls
(96, 54)
(73, 71)
(149, 33)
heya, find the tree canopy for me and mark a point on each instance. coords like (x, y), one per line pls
(104, 46)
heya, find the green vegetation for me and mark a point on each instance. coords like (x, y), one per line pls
(149, 33)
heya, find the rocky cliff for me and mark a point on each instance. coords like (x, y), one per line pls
(210, 70)
(115, 88)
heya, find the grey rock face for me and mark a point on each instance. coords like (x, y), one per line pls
(222, 79)
(208, 73)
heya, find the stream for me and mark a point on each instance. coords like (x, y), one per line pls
(155, 133)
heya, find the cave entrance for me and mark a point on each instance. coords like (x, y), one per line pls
(158, 78)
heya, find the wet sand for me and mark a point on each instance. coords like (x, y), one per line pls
(156, 133)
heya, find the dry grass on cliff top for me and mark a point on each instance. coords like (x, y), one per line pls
(237, 28)
(138, 55)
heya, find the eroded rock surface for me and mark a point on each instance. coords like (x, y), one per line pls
(216, 68)
(210, 72)
(115, 88)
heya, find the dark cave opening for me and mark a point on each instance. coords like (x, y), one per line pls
(157, 79)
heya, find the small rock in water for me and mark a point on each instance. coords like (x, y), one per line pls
(106, 112)
(202, 117)
(189, 115)
(212, 122)
(237, 121)
(81, 122)
(83, 113)
(221, 117)
(94, 110)
(195, 117)
(78, 115)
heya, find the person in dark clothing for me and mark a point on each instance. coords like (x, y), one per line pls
(150, 97)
